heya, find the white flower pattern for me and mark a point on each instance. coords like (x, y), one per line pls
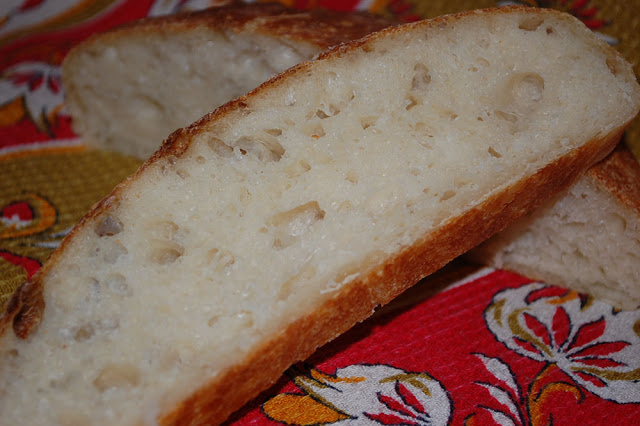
(594, 344)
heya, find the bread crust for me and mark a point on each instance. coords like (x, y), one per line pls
(213, 402)
(619, 175)
(321, 27)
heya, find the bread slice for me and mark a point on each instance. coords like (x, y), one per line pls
(275, 223)
(117, 83)
(586, 238)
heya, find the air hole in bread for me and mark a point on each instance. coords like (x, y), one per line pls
(448, 195)
(220, 148)
(448, 114)
(425, 143)
(352, 176)
(314, 129)
(214, 319)
(327, 111)
(421, 78)
(616, 224)
(117, 284)
(220, 259)
(506, 116)
(117, 375)
(367, 122)
(524, 90)
(423, 130)
(182, 174)
(483, 62)
(290, 225)
(412, 101)
(549, 30)
(274, 132)
(163, 229)
(109, 226)
(297, 169)
(266, 150)
(286, 289)
(530, 23)
(83, 333)
(165, 252)
(225, 260)
(112, 251)
(494, 153)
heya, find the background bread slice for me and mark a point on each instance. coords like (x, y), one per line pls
(586, 238)
(275, 223)
(129, 88)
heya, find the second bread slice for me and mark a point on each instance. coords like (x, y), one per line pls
(127, 89)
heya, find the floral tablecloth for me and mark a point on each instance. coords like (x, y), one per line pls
(470, 346)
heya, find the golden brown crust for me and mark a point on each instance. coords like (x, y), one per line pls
(619, 174)
(24, 310)
(321, 27)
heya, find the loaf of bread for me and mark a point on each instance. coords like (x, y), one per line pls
(586, 238)
(277, 222)
(129, 88)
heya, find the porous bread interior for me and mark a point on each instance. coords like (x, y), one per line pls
(159, 81)
(276, 206)
(584, 239)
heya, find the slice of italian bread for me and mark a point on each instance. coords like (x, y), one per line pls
(278, 221)
(586, 238)
(129, 88)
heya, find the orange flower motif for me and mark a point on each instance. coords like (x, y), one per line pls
(38, 87)
(362, 395)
